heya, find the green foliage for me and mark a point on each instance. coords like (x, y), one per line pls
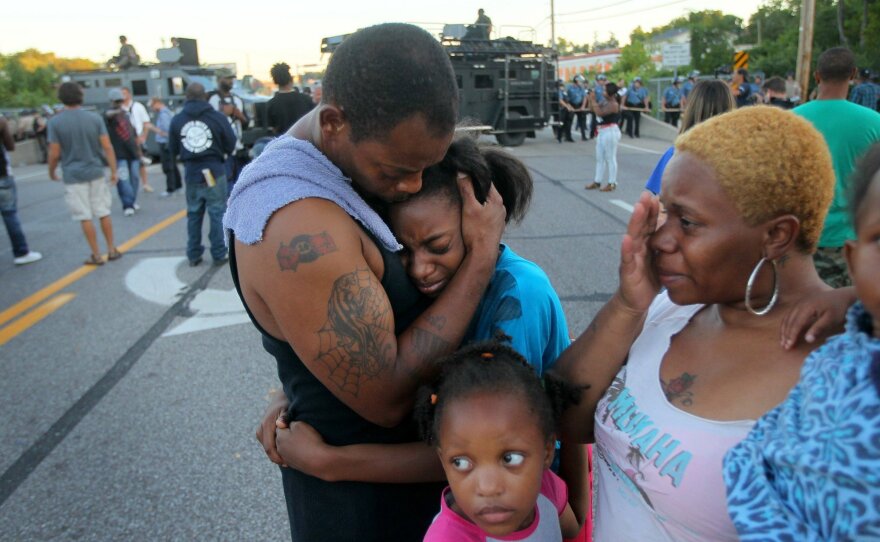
(712, 35)
(566, 47)
(28, 78)
(634, 58)
(610, 43)
(780, 19)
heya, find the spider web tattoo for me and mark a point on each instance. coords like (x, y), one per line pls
(353, 340)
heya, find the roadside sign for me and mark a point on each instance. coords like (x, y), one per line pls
(740, 60)
(676, 54)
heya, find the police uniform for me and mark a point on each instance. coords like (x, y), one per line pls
(576, 95)
(635, 97)
(672, 100)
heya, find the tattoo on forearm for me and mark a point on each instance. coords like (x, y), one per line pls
(354, 342)
(427, 344)
(678, 389)
(304, 249)
(437, 321)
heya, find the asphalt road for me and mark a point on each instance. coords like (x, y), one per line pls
(130, 392)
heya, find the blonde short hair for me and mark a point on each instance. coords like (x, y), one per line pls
(771, 163)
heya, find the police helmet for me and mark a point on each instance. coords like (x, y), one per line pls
(578, 77)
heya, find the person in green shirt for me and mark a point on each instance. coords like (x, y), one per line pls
(849, 130)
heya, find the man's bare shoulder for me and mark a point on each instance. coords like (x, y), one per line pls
(311, 213)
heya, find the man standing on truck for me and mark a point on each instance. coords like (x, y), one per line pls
(483, 24)
(127, 57)
(226, 102)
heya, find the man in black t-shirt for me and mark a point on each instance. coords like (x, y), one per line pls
(288, 105)
(774, 93)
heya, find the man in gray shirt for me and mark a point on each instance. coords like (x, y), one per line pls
(76, 139)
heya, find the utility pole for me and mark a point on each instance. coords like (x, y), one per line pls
(805, 47)
(552, 26)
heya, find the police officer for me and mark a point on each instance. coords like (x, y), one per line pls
(577, 99)
(688, 86)
(672, 100)
(565, 113)
(742, 89)
(636, 97)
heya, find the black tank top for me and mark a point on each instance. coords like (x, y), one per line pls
(610, 119)
(343, 511)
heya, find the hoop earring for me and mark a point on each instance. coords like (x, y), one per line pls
(751, 283)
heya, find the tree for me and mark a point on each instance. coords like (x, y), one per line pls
(634, 58)
(779, 19)
(565, 47)
(712, 36)
(28, 78)
(610, 43)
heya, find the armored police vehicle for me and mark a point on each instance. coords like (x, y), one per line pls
(506, 86)
(168, 80)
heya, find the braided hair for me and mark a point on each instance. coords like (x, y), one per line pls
(491, 366)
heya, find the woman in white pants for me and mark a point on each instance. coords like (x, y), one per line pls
(607, 111)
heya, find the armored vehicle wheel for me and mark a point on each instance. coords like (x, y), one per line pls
(511, 139)
(514, 139)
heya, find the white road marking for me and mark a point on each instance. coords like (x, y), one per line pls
(649, 151)
(623, 205)
(155, 280)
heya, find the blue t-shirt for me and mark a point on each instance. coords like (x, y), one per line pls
(653, 183)
(576, 95)
(672, 97)
(521, 302)
(563, 95)
(810, 468)
(636, 96)
(686, 89)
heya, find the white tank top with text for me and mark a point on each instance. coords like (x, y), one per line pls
(658, 468)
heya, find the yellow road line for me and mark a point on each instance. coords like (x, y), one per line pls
(152, 230)
(12, 330)
(15, 310)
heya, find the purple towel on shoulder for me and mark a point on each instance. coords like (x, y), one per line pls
(288, 170)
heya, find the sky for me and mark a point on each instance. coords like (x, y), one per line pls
(255, 35)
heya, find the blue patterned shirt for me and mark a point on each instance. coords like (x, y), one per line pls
(866, 94)
(810, 468)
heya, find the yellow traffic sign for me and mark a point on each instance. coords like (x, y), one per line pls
(740, 60)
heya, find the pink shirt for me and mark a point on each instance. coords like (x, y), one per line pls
(658, 468)
(450, 527)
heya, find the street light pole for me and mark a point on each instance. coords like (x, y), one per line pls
(805, 47)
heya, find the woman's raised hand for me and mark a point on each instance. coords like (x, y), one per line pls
(638, 282)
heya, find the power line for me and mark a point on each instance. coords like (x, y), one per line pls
(593, 9)
(628, 14)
